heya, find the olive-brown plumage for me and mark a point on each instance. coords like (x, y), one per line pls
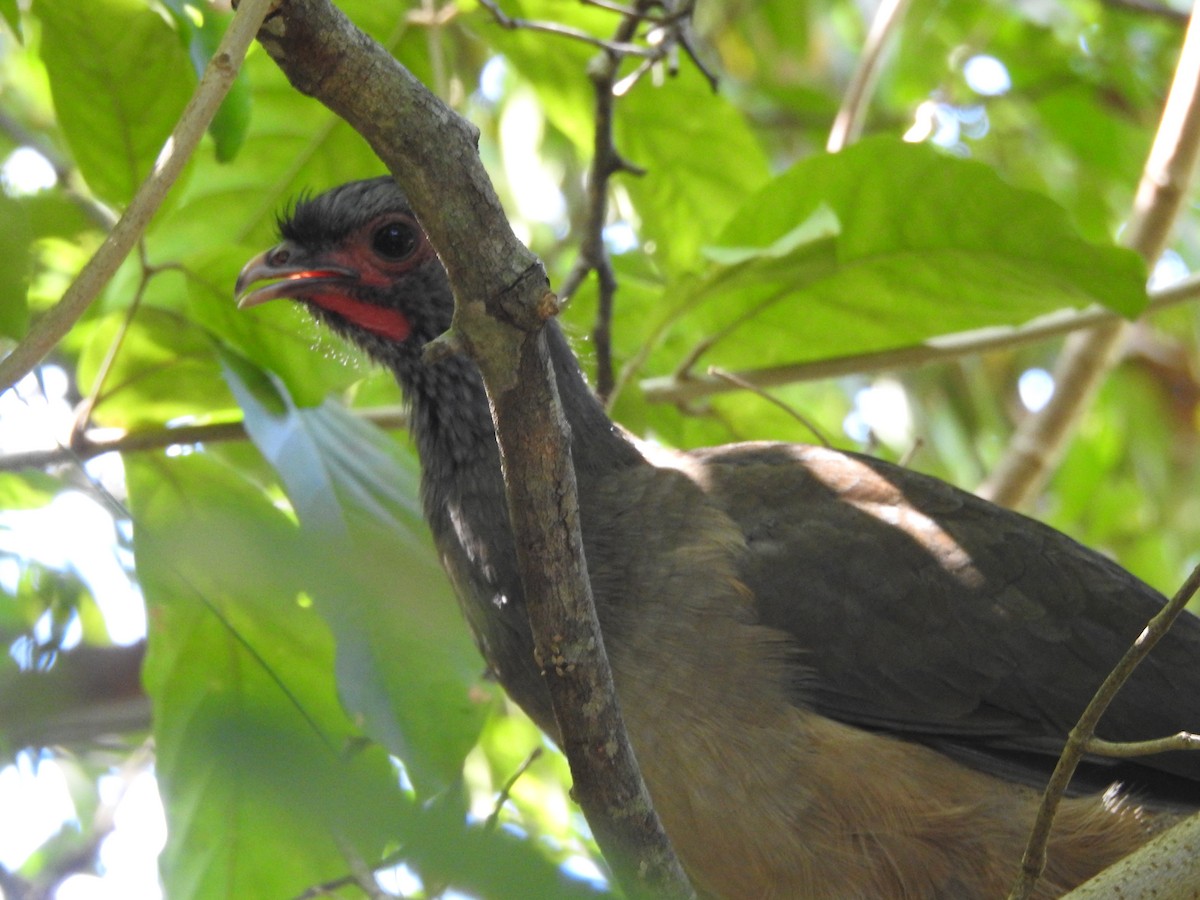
(841, 678)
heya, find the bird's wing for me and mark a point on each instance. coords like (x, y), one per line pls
(923, 610)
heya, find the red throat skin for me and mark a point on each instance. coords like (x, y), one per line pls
(387, 323)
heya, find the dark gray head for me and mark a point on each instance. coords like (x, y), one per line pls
(357, 257)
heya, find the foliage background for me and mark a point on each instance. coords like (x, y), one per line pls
(301, 638)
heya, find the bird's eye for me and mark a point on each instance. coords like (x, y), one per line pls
(395, 240)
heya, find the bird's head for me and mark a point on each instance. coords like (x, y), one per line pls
(357, 257)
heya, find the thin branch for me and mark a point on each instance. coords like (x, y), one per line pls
(634, 12)
(606, 162)
(679, 388)
(493, 818)
(1034, 859)
(848, 123)
(83, 412)
(1184, 740)
(1041, 439)
(218, 76)
(85, 446)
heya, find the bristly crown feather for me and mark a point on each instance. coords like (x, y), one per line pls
(326, 219)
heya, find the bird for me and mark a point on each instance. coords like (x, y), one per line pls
(841, 678)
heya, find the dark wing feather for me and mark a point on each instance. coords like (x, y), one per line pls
(925, 611)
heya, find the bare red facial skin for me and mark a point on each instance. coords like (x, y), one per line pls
(387, 323)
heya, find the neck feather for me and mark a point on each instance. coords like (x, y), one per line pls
(452, 421)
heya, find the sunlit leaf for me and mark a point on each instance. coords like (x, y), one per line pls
(926, 245)
(120, 79)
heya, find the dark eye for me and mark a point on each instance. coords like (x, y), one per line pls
(395, 240)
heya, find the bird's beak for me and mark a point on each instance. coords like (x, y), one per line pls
(289, 276)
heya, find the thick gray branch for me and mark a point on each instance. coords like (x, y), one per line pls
(502, 300)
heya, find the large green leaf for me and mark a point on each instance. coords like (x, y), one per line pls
(120, 78)
(883, 245)
(405, 664)
(267, 789)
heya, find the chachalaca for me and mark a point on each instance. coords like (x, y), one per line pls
(841, 678)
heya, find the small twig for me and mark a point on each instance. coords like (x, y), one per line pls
(639, 14)
(621, 48)
(83, 412)
(673, 30)
(218, 76)
(606, 162)
(1184, 740)
(1034, 859)
(848, 123)
(794, 413)
(505, 791)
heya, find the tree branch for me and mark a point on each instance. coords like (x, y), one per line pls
(502, 301)
(85, 446)
(678, 388)
(1041, 440)
(848, 123)
(218, 76)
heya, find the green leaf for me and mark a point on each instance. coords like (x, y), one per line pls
(267, 785)
(700, 166)
(232, 118)
(163, 370)
(406, 667)
(822, 225)
(12, 15)
(927, 245)
(119, 79)
(27, 490)
(15, 247)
